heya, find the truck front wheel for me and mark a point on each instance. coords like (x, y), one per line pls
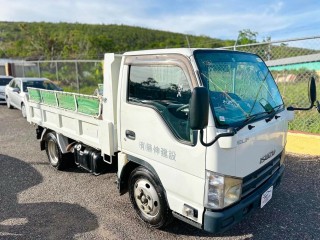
(56, 158)
(148, 198)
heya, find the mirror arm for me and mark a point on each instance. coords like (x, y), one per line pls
(301, 109)
(231, 132)
(312, 97)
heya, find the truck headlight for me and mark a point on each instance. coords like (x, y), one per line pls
(221, 191)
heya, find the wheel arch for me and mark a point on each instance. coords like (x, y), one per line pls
(56, 158)
(61, 139)
(42, 134)
(134, 162)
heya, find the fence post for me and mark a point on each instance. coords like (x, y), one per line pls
(23, 71)
(236, 42)
(77, 76)
(39, 73)
(57, 72)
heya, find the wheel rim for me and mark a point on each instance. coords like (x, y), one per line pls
(146, 198)
(23, 110)
(53, 152)
(8, 103)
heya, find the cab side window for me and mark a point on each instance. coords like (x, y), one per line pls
(18, 85)
(166, 89)
(12, 83)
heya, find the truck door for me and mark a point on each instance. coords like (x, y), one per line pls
(155, 126)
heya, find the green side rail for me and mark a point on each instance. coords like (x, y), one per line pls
(80, 103)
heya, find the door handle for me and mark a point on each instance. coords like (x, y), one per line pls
(130, 134)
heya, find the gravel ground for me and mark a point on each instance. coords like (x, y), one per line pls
(38, 202)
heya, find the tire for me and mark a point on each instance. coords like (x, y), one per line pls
(148, 198)
(56, 158)
(23, 110)
(8, 103)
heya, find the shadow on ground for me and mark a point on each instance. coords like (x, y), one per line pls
(44, 220)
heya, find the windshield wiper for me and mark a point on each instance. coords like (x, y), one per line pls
(274, 112)
(250, 118)
(254, 116)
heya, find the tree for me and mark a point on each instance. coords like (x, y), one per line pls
(247, 36)
(42, 42)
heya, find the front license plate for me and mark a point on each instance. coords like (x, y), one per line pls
(266, 196)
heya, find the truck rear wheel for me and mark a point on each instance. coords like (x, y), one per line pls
(56, 158)
(148, 198)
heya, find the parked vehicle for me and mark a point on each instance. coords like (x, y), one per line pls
(16, 90)
(196, 134)
(4, 80)
(99, 90)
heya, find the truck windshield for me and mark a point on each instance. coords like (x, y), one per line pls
(240, 85)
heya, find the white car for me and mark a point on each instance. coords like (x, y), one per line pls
(4, 80)
(17, 89)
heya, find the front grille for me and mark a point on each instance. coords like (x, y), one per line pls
(257, 178)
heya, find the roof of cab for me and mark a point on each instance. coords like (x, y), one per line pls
(183, 51)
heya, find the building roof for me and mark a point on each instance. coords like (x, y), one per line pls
(294, 60)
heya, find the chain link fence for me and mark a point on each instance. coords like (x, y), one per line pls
(81, 76)
(291, 62)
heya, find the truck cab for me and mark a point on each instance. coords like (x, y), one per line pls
(212, 185)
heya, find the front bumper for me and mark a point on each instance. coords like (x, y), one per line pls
(217, 222)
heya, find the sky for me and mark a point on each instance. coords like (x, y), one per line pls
(223, 19)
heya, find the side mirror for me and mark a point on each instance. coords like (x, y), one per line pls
(199, 108)
(312, 97)
(17, 90)
(198, 114)
(312, 91)
(313, 94)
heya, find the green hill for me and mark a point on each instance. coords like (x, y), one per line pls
(45, 41)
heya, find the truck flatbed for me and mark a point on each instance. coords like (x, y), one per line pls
(76, 116)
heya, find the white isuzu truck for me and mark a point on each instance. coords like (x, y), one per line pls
(198, 134)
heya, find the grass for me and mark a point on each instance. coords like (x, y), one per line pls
(296, 94)
(89, 90)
